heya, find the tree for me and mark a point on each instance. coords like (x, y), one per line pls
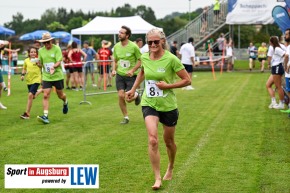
(56, 26)
(146, 13)
(17, 23)
(124, 11)
(48, 17)
(74, 22)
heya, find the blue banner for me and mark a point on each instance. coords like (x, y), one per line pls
(232, 4)
(281, 17)
(287, 3)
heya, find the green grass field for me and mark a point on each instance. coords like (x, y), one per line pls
(227, 138)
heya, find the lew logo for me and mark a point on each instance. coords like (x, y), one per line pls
(83, 175)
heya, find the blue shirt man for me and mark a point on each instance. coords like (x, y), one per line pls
(89, 66)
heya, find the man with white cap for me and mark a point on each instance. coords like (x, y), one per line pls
(50, 57)
(2, 44)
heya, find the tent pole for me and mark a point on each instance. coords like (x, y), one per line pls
(239, 40)
(114, 38)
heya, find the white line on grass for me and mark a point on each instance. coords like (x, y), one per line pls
(192, 158)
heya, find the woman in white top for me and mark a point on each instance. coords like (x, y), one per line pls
(277, 69)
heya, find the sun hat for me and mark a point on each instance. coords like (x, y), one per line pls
(106, 44)
(46, 37)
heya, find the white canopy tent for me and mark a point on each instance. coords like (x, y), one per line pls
(111, 25)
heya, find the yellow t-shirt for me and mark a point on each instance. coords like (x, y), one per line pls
(33, 72)
(262, 52)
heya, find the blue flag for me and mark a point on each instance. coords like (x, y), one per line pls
(287, 3)
(281, 17)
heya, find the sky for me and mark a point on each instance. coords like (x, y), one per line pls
(33, 9)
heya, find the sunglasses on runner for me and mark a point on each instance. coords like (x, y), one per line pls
(48, 42)
(156, 42)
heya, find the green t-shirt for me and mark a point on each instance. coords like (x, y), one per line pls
(33, 72)
(48, 58)
(163, 69)
(127, 57)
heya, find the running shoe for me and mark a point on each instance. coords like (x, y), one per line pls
(24, 116)
(2, 106)
(279, 106)
(65, 108)
(43, 119)
(137, 100)
(125, 121)
(271, 106)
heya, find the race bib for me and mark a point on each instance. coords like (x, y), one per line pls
(152, 90)
(125, 63)
(47, 66)
(252, 54)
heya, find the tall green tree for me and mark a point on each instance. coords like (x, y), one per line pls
(146, 13)
(17, 23)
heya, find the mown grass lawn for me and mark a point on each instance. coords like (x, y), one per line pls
(227, 138)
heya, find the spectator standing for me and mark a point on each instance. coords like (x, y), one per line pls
(204, 20)
(125, 67)
(221, 43)
(50, 57)
(76, 56)
(287, 69)
(159, 67)
(139, 42)
(187, 53)
(174, 49)
(2, 83)
(216, 10)
(277, 53)
(14, 54)
(105, 53)
(89, 65)
(229, 54)
(67, 66)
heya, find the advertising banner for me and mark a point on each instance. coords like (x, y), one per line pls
(51, 176)
(251, 11)
(281, 17)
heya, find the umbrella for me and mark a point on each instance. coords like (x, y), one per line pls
(60, 34)
(68, 39)
(36, 35)
(6, 31)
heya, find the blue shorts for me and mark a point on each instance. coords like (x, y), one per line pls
(287, 82)
(188, 67)
(89, 67)
(278, 69)
(33, 88)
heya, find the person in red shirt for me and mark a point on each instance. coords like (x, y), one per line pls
(104, 53)
(75, 56)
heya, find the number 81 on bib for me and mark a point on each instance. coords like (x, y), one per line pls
(152, 90)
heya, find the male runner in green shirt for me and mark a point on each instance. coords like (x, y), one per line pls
(50, 57)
